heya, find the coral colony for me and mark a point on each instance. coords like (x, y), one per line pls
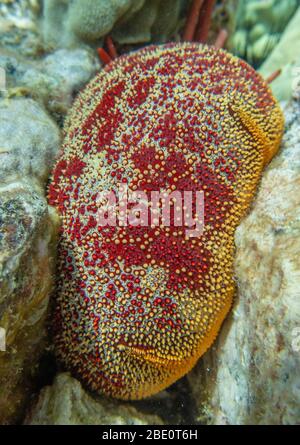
(137, 305)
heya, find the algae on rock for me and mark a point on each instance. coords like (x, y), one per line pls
(138, 27)
(19, 30)
(92, 19)
(156, 21)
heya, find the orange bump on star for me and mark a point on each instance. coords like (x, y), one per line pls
(137, 306)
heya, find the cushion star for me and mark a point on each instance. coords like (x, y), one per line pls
(135, 306)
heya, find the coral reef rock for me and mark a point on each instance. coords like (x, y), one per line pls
(251, 375)
(29, 141)
(258, 27)
(67, 403)
(285, 56)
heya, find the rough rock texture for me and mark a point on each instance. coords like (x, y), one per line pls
(53, 80)
(29, 141)
(252, 374)
(27, 246)
(67, 403)
(285, 56)
(259, 25)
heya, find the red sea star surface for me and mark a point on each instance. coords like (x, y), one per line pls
(137, 306)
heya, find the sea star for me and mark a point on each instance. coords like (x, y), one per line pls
(137, 306)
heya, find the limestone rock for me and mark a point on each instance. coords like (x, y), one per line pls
(251, 375)
(67, 403)
(27, 247)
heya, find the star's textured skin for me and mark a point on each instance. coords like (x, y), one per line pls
(137, 306)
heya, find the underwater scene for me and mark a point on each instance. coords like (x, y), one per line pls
(150, 214)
